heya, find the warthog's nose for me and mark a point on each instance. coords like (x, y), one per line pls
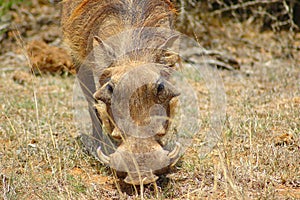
(139, 165)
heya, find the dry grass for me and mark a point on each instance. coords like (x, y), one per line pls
(258, 159)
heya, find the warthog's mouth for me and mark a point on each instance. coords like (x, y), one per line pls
(140, 167)
(136, 105)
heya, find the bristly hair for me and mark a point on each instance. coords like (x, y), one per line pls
(84, 19)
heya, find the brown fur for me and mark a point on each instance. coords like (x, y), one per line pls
(90, 23)
(82, 20)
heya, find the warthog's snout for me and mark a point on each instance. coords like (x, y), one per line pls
(141, 159)
(136, 110)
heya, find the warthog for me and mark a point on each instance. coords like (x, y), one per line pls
(127, 43)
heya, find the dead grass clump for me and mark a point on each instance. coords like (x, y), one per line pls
(49, 59)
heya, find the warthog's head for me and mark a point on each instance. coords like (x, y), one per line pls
(135, 103)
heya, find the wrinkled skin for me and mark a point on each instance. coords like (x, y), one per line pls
(141, 155)
(87, 26)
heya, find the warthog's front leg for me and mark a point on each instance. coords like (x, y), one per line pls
(87, 84)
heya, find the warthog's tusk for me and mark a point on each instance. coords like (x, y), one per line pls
(175, 153)
(105, 159)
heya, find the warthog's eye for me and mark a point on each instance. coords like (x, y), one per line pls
(160, 87)
(110, 88)
(161, 92)
(164, 91)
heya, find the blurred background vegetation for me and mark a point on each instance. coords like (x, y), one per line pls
(270, 14)
(40, 158)
(7, 5)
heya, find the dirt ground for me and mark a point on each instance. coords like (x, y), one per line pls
(259, 157)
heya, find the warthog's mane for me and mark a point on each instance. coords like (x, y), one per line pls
(82, 20)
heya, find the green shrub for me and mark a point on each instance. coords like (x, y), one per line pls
(6, 5)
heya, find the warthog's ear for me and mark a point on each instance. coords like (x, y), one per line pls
(168, 49)
(102, 51)
(169, 43)
(105, 76)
